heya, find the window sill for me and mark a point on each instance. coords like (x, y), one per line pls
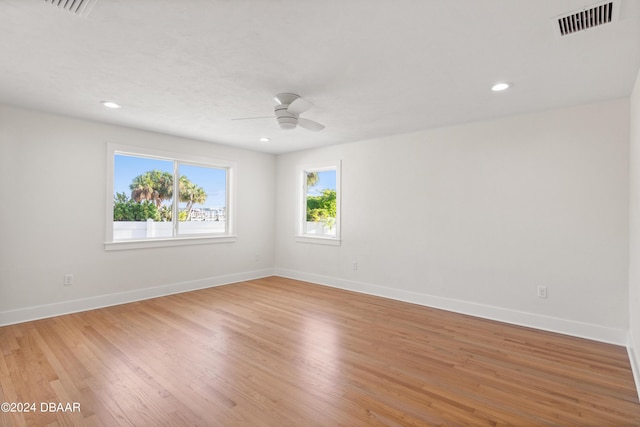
(318, 240)
(162, 243)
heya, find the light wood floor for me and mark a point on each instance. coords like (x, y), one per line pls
(278, 352)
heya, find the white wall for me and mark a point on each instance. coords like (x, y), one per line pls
(53, 170)
(481, 215)
(634, 221)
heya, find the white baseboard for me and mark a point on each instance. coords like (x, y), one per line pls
(531, 320)
(635, 363)
(66, 307)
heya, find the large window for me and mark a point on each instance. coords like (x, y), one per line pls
(319, 203)
(160, 199)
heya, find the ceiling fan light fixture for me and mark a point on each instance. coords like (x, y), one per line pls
(287, 124)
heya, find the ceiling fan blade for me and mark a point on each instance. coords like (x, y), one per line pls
(300, 105)
(252, 118)
(310, 124)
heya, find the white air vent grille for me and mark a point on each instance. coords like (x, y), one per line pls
(599, 14)
(79, 7)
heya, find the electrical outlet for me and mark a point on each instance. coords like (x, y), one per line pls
(542, 291)
(68, 279)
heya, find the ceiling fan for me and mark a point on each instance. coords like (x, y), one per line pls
(287, 112)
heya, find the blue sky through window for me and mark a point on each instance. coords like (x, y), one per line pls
(326, 181)
(213, 180)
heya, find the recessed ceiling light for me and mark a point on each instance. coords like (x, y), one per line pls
(264, 139)
(499, 87)
(111, 104)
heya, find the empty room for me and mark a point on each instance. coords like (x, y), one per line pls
(338, 213)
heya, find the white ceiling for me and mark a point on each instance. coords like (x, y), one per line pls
(370, 67)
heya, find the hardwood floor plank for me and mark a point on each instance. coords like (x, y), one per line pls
(280, 352)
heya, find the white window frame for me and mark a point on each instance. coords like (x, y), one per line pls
(176, 240)
(301, 213)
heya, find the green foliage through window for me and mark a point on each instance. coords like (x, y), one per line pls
(323, 207)
(126, 209)
(149, 190)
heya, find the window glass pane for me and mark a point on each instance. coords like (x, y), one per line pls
(142, 189)
(320, 203)
(203, 199)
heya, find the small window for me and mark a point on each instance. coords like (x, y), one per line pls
(319, 204)
(160, 199)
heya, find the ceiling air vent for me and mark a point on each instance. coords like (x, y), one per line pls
(79, 7)
(593, 16)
